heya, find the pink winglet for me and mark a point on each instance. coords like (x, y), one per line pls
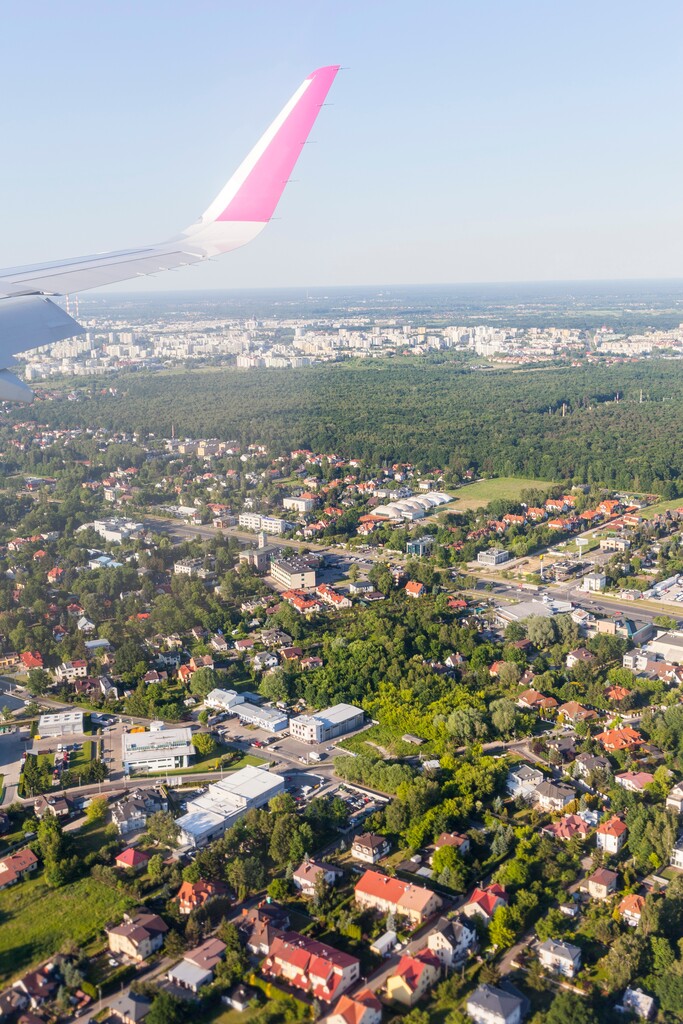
(258, 196)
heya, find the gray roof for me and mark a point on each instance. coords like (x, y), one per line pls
(526, 773)
(555, 790)
(131, 1006)
(494, 1000)
(565, 950)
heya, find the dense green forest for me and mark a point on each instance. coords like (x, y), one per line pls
(508, 422)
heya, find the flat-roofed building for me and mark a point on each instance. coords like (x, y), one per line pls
(493, 556)
(224, 802)
(264, 718)
(326, 725)
(61, 723)
(293, 573)
(157, 751)
(669, 646)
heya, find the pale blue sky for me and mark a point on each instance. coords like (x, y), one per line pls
(470, 140)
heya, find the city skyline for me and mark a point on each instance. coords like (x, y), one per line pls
(483, 145)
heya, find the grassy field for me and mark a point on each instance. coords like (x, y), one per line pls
(508, 488)
(35, 920)
(660, 508)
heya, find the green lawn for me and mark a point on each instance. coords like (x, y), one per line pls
(35, 920)
(206, 764)
(509, 488)
(660, 508)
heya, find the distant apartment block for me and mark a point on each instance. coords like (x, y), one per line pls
(300, 505)
(265, 524)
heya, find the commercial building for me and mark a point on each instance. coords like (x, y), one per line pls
(419, 546)
(669, 646)
(293, 573)
(61, 723)
(157, 751)
(263, 718)
(493, 556)
(326, 725)
(595, 582)
(224, 802)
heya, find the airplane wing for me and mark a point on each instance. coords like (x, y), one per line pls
(28, 318)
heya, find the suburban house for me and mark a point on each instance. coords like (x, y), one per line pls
(197, 966)
(369, 848)
(455, 839)
(16, 866)
(54, 806)
(553, 796)
(130, 814)
(574, 712)
(414, 977)
(676, 858)
(532, 700)
(611, 835)
(310, 872)
(415, 589)
(131, 858)
(560, 957)
(567, 828)
(320, 970)
(451, 940)
(579, 657)
(192, 895)
(587, 763)
(130, 1008)
(363, 1008)
(492, 1005)
(484, 902)
(630, 909)
(261, 925)
(634, 781)
(137, 937)
(674, 800)
(620, 739)
(601, 884)
(390, 895)
(635, 1001)
(523, 781)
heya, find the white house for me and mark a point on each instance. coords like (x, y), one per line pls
(523, 780)
(634, 1000)
(611, 835)
(452, 940)
(676, 859)
(553, 796)
(492, 1005)
(308, 874)
(560, 957)
(674, 800)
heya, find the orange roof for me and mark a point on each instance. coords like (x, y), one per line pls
(632, 904)
(353, 1009)
(620, 739)
(614, 827)
(414, 588)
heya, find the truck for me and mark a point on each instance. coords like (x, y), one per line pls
(315, 756)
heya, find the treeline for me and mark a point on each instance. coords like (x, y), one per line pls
(508, 422)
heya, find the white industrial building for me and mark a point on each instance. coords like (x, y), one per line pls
(269, 719)
(669, 646)
(224, 802)
(326, 725)
(157, 751)
(62, 723)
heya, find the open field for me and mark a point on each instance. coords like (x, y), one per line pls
(35, 920)
(660, 508)
(508, 488)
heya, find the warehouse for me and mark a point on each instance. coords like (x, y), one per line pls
(63, 723)
(326, 725)
(224, 802)
(157, 751)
